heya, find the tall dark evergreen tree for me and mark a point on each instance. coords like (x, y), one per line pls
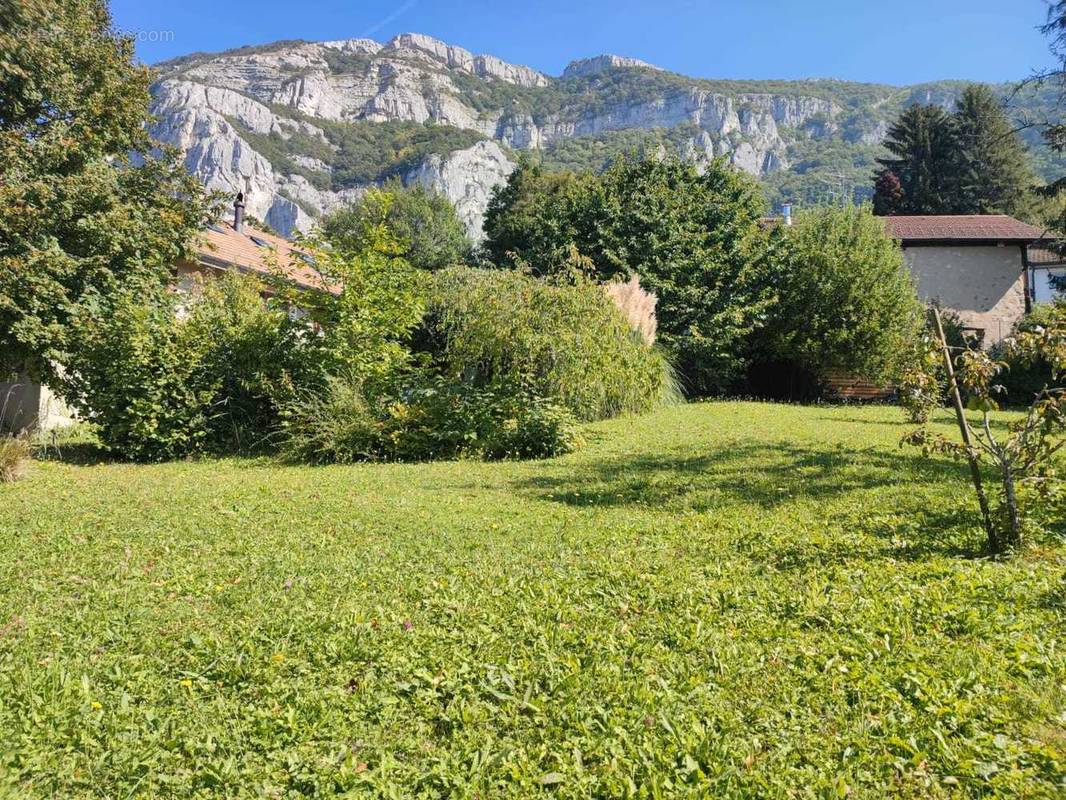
(993, 173)
(922, 148)
(967, 162)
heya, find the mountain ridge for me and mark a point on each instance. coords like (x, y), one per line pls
(303, 127)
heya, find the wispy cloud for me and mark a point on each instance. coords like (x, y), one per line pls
(403, 9)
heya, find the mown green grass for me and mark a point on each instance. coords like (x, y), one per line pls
(721, 600)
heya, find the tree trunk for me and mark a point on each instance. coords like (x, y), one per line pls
(994, 543)
(1014, 521)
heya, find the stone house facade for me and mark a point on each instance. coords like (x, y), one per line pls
(977, 266)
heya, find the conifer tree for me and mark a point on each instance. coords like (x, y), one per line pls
(993, 173)
(922, 147)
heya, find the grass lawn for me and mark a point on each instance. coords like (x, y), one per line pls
(720, 600)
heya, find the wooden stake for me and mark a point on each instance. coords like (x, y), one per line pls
(967, 440)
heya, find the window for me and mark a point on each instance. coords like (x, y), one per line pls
(260, 242)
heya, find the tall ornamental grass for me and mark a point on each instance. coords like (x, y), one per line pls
(561, 339)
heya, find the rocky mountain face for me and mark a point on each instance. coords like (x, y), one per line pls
(302, 127)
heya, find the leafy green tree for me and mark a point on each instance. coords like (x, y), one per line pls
(846, 300)
(922, 147)
(535, 216)
(85, 207)
(694, 239)
(429, 232)
(366, 305)
(993, 174)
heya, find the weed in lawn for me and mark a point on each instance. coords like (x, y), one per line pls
(14, 457)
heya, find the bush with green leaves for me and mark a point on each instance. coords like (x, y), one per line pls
(430, 419)
(845, 299)
(366, 303)
(427, 229)
(172, 375)
(560, 338)
(922, 385)
(134, 371)
(1022, 380)
(255, 360)
(693, 237)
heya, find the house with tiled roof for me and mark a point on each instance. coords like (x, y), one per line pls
(225, 245)
(975, 265)
(236, 245)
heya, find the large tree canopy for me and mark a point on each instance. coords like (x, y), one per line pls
(694, 239)
(968, 162)
(427, 229)
(846, 300)
(85, 205)
(922, 145)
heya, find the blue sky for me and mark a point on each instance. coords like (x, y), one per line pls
(897, 42)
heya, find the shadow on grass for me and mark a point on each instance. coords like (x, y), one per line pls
(80, 454)
(904, 425)
(767, 475)
(773, 476)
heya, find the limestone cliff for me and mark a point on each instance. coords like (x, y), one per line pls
(302, 127)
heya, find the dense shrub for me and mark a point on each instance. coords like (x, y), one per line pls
(434, 418)
(558, 339)
(693, 237)
(14, 457)
(333, 424)
(845, 299)
(254, 361)
(133, 373)
(424, 223)
(922, 384)
(1023, 380)
(368, 301)
(171, 375)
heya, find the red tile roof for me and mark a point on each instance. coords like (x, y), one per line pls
(222, 246)
(1051, 253)
(968, 228)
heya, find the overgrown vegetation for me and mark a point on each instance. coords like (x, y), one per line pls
(166, 376)
(87, 207)
(740, 306)
(562, 339)
(1022, 457)
(845, 300)
(694, 239)
(426, 227)
(430, 418)
(14, 457)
